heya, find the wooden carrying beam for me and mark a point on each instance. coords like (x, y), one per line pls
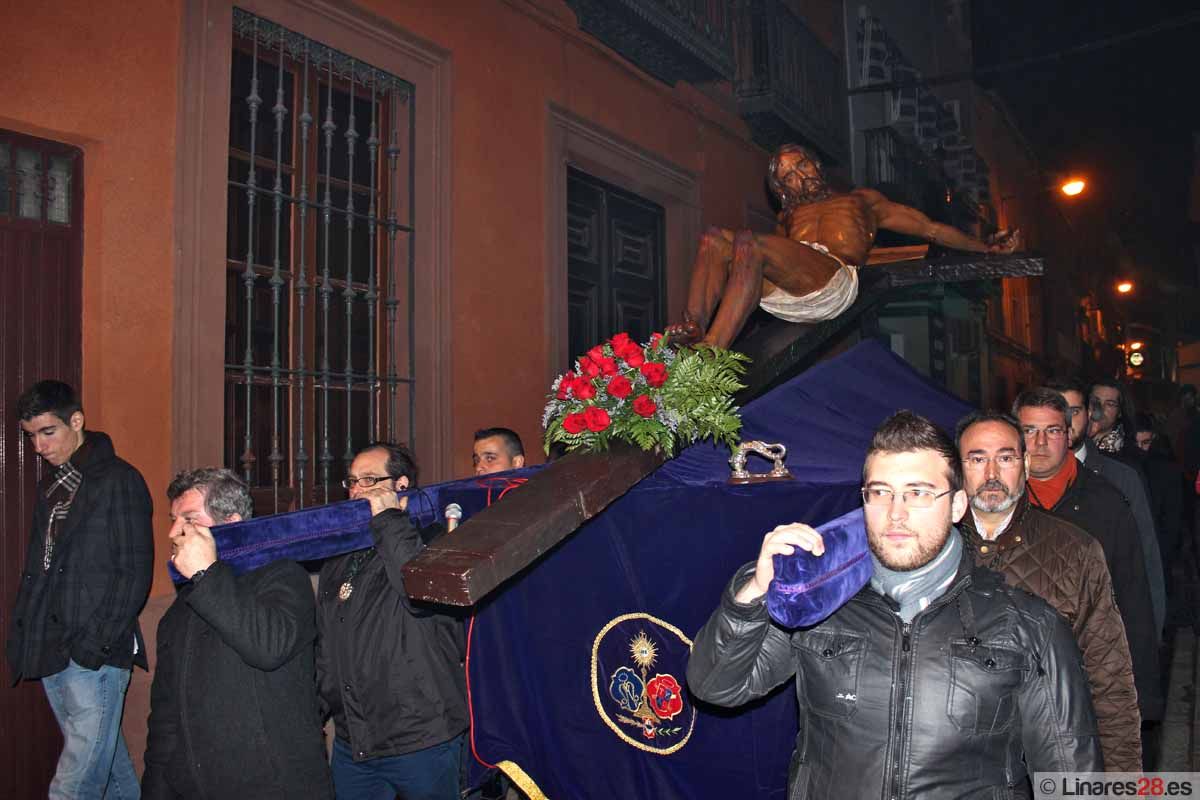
(500, 541)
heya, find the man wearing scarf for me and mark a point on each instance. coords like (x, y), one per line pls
(1111, 416)
(936, 680)
(87, 574)
(1130, 480)
(1059, 484)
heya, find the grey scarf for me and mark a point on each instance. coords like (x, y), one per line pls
(916, 589)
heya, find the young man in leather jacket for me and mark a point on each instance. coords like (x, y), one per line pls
(936, 680)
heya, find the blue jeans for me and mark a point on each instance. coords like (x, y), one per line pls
(429, 774)
(95, 761)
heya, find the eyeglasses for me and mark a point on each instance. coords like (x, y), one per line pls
(366, 481)
(1053, 432)
(1003, 461)
(912, 498)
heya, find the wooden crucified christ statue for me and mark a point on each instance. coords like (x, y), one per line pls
(807, 270)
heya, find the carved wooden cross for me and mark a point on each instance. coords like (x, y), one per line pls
(503, 539)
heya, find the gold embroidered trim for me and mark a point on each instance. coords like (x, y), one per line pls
(666, 751)
(522, 780)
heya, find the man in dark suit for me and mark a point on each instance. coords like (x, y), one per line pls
(1129, 479)
(87, 574)
(233, 707)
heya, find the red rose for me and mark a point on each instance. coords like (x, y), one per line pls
(608, 366)
(584, 389)
(656, 374)
(565, 385)
(633, 357)
(596, 354)
(619, 342)
(665, 696)
(625, 348)
(655, 340)
(644, 405)
(588, 367)
(574, 423)
(596, 418)
(620, 387)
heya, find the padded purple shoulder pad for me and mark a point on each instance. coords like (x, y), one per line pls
(807, 588)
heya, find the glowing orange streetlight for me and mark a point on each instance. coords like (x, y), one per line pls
(1073, 187)
(1135, 345)
(1125, 287)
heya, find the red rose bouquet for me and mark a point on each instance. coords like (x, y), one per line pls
(649, 395)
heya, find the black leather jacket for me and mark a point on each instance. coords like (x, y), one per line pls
(939, 708)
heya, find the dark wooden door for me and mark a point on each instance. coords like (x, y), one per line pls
(41, 196)
(615, 274)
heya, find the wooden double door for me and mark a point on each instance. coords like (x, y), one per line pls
(615, 263)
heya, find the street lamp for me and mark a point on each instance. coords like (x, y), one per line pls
(1125, 287)
(1073, 187)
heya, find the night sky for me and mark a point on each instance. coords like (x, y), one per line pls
(1122, 113)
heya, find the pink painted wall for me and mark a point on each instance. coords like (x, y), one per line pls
(510, 62)
(105, 77)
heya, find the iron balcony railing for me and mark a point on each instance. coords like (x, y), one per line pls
(673, 40)
(899, 167)
(789, 85)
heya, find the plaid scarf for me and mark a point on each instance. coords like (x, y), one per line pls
(1112, 440)
(63, 483)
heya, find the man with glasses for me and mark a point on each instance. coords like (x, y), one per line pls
(1058, 562)
(936, 679)
(1058, 484)
(388, 672)
(1130, 481)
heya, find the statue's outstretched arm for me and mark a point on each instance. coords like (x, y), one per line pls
(910, 221)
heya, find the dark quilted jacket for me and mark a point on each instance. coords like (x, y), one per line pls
(1064, 566)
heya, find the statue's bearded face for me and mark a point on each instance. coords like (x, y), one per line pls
(798, 180)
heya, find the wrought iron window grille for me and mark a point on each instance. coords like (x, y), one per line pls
(320, 345)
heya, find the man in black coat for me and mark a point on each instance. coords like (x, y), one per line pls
(87, 574)
(1131, 482)
(1164, 477)
(1059, 484)
(233, 706)
(390, 673)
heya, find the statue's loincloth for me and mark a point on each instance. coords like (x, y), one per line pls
(825, 303)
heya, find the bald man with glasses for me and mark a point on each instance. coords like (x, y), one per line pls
(389, 672)
(1057, 483)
